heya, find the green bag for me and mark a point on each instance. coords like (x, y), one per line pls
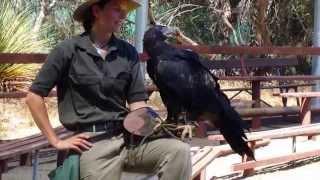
(69, 170)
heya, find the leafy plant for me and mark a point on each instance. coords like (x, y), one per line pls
(16, 37)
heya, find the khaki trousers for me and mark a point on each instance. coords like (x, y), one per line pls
(168, 159)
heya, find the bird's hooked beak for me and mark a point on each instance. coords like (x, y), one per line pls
(168, 31)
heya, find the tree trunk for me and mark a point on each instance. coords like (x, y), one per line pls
(262, 32)
(45, 8)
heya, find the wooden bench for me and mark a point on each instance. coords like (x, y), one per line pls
(247, 113)
(202, 157)
(256, 87)
(282, 89)
(24, 147)
(236, 63)
(294, 131)
(305, 109)
(304, 112)
(260, 64)
(301, 130)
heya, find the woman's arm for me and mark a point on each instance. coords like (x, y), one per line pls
(39, 113)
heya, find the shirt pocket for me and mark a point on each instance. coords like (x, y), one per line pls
(122, 80)
(117, 85)
(85, 93)
(84, 79)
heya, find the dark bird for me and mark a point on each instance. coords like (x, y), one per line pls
(186, 85)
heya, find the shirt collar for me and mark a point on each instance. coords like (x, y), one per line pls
(84, 42)
(113, 44)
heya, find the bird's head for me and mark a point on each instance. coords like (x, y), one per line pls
(158, 33)
(152, 37)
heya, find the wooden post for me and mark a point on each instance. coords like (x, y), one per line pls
(305, 113)
(26, 159)
(276, 160)
(256, 95)
(3, 165)
(201, 176)
(243, 66)
(35, 165)
(198, 177)
(284, 100)
(245, 158)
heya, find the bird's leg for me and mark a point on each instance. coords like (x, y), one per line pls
(170, 117)
(187, 128)
(173, 114)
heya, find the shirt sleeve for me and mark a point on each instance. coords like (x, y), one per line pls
(136, 90)
(50, 73)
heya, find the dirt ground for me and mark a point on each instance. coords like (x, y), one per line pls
(16, 120)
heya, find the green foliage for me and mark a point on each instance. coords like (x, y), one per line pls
(289, 22)
(292, 25)
(198, 25)
(192, 19)
(60, 23)
(243, 32)
(15, 34)
(16, 37)
(128, 28)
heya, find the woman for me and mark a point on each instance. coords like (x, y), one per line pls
(96, 74)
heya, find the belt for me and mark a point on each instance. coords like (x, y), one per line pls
(109, 127)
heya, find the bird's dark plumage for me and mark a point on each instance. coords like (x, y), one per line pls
(186, 85)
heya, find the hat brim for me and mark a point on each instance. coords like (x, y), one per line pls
(129, 5)
(80, 13)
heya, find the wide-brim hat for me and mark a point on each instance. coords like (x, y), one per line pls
(84, 8)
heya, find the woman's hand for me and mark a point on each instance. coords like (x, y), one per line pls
(78, 143)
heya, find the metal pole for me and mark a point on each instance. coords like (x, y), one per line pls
(140, 28)
(35, 165)
(316, 43)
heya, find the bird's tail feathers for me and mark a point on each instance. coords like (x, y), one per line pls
(232, 127)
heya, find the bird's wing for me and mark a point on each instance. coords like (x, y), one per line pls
(184, 75)
(174, 77)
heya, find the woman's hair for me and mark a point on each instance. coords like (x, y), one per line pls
(89, 18)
